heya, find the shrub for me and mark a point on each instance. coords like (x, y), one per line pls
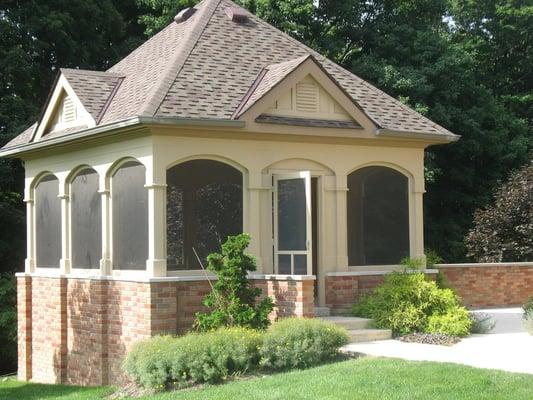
(210, 357)
(232, 301)
(454, 322)
(405, 301)
(481, 323)
(528, 309)
(301, 343)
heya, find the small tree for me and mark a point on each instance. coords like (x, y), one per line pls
(233, 302)
(504, 231)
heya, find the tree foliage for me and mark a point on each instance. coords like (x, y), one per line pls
(504, 230)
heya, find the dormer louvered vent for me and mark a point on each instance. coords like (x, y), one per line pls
(68, 112)
(307, 97)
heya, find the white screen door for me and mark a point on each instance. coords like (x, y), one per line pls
(292, 223)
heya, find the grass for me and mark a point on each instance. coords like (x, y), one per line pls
(365, 378)
(11, 389)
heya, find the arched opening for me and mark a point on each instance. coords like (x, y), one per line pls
(204, 207)
(86, 220)
(378, 216)
(129, 198)
(47, 223)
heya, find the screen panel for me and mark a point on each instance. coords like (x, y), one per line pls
(130, 217)
(378, 216)
(48, 223)
(204, 207)
(86, 220)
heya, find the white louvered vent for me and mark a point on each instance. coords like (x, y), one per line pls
(307, 97)
(68, 114)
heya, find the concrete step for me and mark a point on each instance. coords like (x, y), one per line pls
(350, 322)
(369, 335)
(322, 312)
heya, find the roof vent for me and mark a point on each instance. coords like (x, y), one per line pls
(184, 14)
(236, 14)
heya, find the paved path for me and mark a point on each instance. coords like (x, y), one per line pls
(507, 347)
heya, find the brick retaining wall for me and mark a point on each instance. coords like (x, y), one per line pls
(490, 285)
(78, 330)
(343, 289)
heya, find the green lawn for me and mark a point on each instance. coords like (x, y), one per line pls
(354, 379)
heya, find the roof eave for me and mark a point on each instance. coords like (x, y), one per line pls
(109, 129)
(434, 138)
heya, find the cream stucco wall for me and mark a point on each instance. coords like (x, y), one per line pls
(257, 157)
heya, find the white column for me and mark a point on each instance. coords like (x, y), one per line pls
(342, 222)
(416, 220)
(156, 265)
(29, 262)
(417, 247)
(252, 214)
(64, 262)
(105, 261)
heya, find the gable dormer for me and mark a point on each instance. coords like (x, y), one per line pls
(64, 112)
(301, 93)
(308, 99)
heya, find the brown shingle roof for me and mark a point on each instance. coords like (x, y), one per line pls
(205, 67)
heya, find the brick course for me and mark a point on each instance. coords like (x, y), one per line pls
(490, 285)
(78, 330)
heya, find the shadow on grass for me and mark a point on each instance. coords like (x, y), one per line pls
(15, 390)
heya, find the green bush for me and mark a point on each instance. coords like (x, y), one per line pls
(528, 309)
(301, 343)
(233, 302)
(454, 322)
(481, 323)
(405, 301)
(211, 357)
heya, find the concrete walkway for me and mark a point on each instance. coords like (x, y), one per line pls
(508, 347)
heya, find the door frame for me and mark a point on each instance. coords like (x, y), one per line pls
(276, 177)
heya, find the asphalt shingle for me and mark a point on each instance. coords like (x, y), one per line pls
(209, 66)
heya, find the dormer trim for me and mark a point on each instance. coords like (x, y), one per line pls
(62, 89)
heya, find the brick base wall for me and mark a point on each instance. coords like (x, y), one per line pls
(490, 285)
(77, 331)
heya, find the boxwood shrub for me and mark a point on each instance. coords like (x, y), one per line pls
(212, 357)
(301, 343)
(406, 301)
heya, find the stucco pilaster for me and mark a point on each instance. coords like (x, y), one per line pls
(156, 265)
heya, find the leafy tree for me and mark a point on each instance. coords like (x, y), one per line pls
(504, 230)
(232, 302)
(36, 38)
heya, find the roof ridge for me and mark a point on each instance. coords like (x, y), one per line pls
(93, 72)
(158, 93)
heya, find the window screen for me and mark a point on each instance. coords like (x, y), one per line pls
(204, 207)
(378, 216)
(130, 217)
(86, 220)
(48, 223)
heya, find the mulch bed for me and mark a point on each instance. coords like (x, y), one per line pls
(430, 338)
